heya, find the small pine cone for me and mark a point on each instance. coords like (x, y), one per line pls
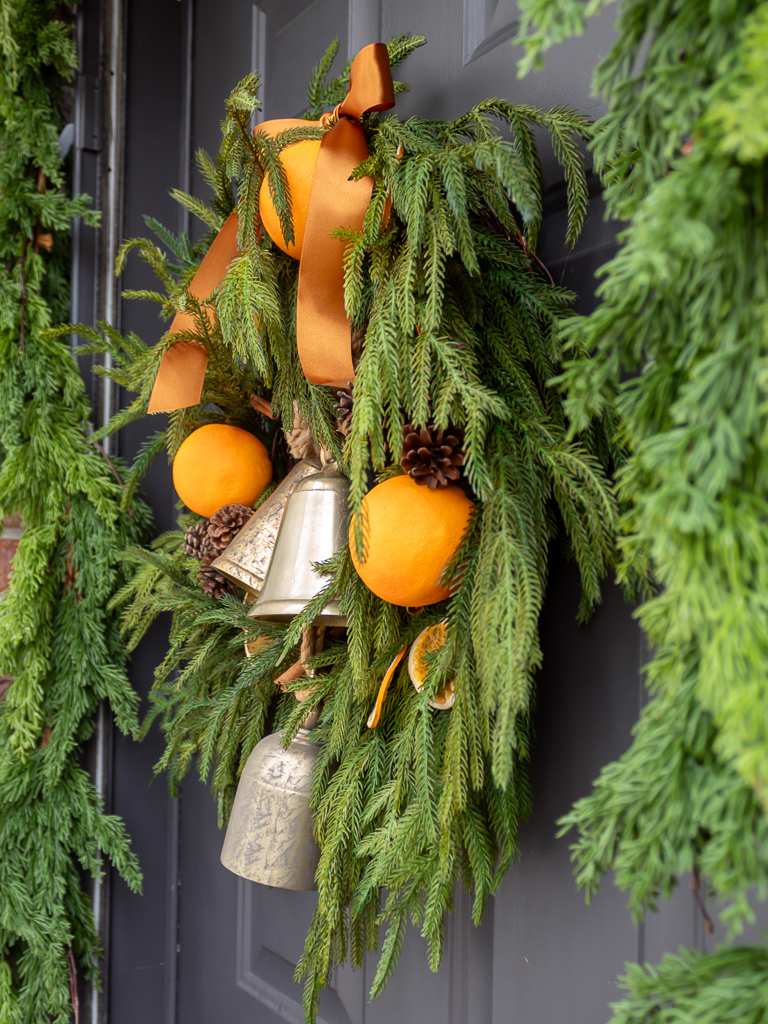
(300, 442)
(224, 526)
(357, 343)
(344, 410)
(213, 583)
(196, 543)
(432, 457)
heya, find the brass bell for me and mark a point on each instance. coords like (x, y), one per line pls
(269, 837)
(315, 525)
(246, 560)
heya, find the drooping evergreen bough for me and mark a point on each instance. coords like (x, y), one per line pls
(678, 346)
(460, 326)
(58, 641)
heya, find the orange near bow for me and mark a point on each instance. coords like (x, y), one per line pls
(327, 200)
(298, 162)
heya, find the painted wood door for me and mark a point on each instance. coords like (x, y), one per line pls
(201, 946)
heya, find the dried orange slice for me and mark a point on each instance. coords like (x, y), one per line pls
(427, 642)
(252, 647)
(373, 718)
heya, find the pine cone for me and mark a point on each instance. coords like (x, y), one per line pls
(432, 457)
(224, 526)
(197, 545)
(300, 442)
(357, 343)
(344, 410)
(213, 583)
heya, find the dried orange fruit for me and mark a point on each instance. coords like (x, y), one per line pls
(375, 715)
(219, 465)
(252, 647)
(411, 533)
(298, 161)
(427, 642)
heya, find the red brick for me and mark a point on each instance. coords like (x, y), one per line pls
(7, 551)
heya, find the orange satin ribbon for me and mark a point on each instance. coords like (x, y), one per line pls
(322, 324)
(179, 381)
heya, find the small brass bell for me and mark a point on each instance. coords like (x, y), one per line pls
(315, 525)
(246, 560)
(269, 837)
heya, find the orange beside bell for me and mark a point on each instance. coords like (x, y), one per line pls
(219, 464)
(410, 534)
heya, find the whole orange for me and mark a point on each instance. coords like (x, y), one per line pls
(410, 533)
(299, 161)
(220, 465)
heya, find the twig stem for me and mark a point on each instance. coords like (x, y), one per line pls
(23, 303)
(73, 985)
(696, 887)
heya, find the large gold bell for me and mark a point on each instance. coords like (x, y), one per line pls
(315, 525)
(247, 558)
(269, 837)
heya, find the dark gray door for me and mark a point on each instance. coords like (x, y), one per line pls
(202, 947)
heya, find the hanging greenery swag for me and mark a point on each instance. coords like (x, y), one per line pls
(677, 347)
(59, 643)
(460, 327)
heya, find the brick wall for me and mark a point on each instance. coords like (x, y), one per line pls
(9, 541)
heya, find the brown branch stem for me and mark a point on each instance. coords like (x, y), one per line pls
(111, 465)
(73, 985)
(22, 306)
(696, 889)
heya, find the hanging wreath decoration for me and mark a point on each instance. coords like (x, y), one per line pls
(410, 349)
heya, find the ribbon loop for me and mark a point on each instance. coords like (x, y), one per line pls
(322, 325)
(370, 83)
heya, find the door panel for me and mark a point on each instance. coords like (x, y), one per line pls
(297, 35)
(541, 956)
(271, 925)
(555, 959)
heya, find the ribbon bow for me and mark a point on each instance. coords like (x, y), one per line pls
(322, 324)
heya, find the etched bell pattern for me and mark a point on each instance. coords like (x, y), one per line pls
(247, 558)
(269, 838)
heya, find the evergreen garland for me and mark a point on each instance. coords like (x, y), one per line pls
(678, 347)
(460, 327)
(58, 642)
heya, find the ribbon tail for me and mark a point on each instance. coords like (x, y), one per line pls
(322, 325)
(180, 376)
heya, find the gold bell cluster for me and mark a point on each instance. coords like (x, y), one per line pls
(306, 520)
